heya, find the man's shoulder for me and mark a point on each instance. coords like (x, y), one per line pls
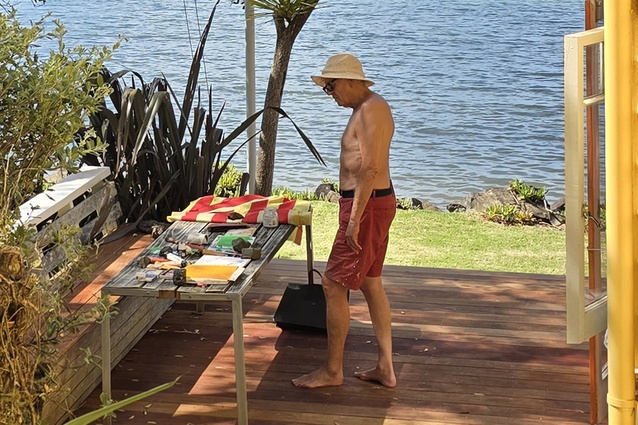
(376, 104)
(375, 100)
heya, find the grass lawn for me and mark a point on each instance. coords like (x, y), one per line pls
(450, 240)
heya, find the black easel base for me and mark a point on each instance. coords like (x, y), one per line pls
(302, 307)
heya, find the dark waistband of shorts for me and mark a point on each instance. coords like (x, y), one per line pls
(376, 193)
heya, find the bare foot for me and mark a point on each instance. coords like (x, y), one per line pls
(376, 375)
(317, 379)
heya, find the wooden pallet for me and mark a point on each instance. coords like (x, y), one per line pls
(84, 199)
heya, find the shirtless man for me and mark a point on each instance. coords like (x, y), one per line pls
(366, 210)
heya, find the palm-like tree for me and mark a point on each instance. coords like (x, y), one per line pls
(289, 17)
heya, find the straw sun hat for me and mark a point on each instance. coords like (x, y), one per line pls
(343, 65)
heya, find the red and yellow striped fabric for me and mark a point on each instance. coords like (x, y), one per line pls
(214, 209)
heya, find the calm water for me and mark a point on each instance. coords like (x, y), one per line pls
(476, 86)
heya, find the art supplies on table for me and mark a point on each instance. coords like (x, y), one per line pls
(223, 244)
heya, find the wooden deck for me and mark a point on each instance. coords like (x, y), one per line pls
(470, 348)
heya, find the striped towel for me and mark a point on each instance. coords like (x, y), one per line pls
(215, 209)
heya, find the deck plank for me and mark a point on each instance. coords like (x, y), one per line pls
(470, 348)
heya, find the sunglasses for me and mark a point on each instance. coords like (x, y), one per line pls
(329, 88)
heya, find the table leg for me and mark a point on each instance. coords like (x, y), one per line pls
(106, 359)
(240, 363)
(309, 254)
(199, 307)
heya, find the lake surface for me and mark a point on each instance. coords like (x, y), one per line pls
(476, 86)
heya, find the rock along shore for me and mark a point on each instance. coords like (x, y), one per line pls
(541, 211)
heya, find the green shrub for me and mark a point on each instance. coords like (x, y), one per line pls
(43, 104)
(306, 195)
(507, 214)
(526, 192)
(45, 100)
(229, 183)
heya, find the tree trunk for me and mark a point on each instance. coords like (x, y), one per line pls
(286, 36)
(270, 119)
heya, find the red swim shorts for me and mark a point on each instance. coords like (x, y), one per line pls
(349, 268)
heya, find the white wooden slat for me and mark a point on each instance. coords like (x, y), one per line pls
(45, 204)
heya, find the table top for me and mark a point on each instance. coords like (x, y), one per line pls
(125, 282)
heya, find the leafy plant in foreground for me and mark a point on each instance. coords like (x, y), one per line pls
(45, 99)
(110, 407)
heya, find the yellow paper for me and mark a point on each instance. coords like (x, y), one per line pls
(197, 271)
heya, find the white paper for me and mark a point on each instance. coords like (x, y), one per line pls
(220, 260)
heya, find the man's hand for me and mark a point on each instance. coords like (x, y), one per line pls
(352, 236)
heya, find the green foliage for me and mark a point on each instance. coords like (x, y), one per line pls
(45, 99)
(43, 104)
(162, 161)
(603, 216)
(307, 195)
(284, 9)
(229, 183)
(507, 214)
(526, 192)
(110, 406)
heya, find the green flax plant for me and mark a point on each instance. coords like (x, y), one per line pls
(162, 160)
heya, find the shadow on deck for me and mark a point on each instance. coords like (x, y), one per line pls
(470, 347)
